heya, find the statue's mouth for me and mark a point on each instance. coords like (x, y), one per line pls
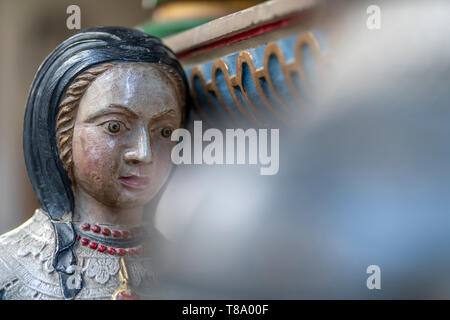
(135, 181)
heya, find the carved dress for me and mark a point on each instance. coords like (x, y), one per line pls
(26, 271)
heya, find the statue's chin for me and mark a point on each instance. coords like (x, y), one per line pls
(127, 201)
(121, 197)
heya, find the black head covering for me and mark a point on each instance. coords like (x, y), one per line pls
(50, 181)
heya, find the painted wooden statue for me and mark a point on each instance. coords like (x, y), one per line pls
(97, 147)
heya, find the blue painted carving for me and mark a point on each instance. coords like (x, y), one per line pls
(263, 85)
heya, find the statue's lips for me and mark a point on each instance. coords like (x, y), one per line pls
(135, 181)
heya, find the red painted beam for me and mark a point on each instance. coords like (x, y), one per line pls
(284, 22)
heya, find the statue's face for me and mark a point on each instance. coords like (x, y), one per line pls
(121, 142)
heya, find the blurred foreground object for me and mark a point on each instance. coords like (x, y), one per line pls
(363, 177)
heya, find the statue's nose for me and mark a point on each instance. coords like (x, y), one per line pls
(141, 151)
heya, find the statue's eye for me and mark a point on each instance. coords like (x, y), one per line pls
(166, 132)
(113, 126)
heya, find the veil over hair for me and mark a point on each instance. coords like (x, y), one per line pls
(49, 179)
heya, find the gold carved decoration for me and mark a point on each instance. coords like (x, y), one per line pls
(236, 82)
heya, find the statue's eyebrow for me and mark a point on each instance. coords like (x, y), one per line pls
(163, 114)
(112, 108)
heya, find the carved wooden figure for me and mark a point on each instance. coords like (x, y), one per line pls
(97, 147)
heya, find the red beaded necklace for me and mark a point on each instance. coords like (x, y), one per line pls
(114, 242)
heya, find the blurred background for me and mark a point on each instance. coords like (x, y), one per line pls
(364, 178)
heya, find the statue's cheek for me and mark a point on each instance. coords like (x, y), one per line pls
(97, 156)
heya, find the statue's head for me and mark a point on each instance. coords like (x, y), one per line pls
(98, 121)
(113, 131)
